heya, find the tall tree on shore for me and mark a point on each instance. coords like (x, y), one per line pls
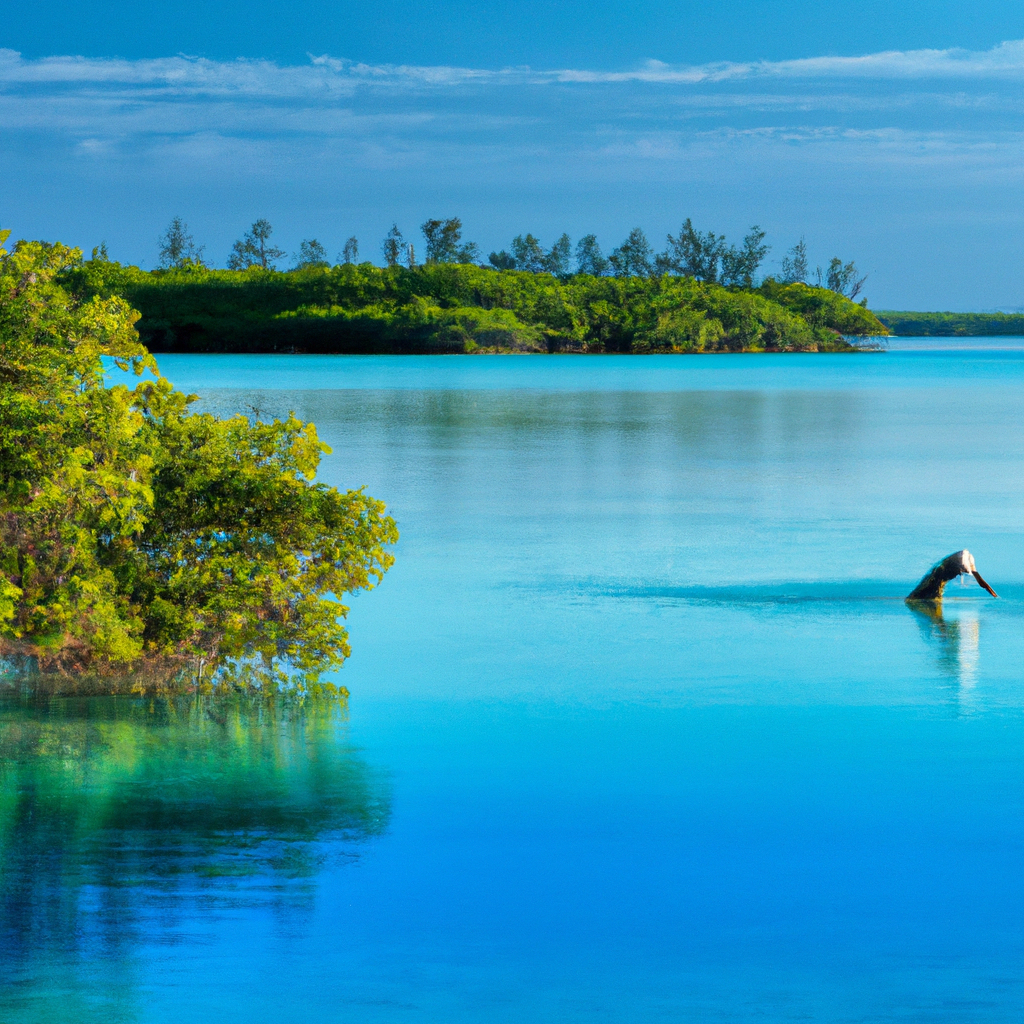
(589, 258)
(177, 247)
(528, 254)
(350, 250)
(842, 278)
(444, 242)
(254, 249)
(740, 266)
(693, 254)
(634, 257)
(794, 264)
(311, 254)
(393, 247)
(558, 261)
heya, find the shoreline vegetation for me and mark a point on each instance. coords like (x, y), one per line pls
(908, 324)
(453, 308)
(701, 294)
(147, 547)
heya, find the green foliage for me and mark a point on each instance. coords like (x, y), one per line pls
(842, 278)
(794, 264)
(254, 248)
(463, 308)
(708, 257)
(822, 307)
(134, 531)
(589, 258)
(393, 247)
(177, 247)
(694, 254)
(527, 254)
(444, 242)
(559, 258)
(740, 266)
(946, 325)
(634, 258)
(311, 254)
(350, 251)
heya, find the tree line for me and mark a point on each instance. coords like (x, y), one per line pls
(952, 325)
(703, 256)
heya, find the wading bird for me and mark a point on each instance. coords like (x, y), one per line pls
(957, 564)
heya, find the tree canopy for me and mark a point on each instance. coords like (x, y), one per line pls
(393, 247)
(702, 256)
(311, 254)
(254, 249)
(135, 531)
(463, 308)
(444, 242)
(178, 247)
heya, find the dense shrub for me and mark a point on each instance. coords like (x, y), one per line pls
(135, 532)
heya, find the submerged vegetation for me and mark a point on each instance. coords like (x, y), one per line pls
(137, 535)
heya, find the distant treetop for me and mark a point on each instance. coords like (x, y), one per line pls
(254, 249)
(702, 255)
(311, 254)
(178, 248)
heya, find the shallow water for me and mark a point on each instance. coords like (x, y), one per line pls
(640, 727)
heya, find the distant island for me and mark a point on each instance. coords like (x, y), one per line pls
(952, 325)
(701, 294)
(464, 308)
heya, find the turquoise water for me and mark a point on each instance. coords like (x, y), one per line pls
(640, 727)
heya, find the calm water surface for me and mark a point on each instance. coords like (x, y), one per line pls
(640, 727)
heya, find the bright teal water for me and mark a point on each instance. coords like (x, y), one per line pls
(640, 727)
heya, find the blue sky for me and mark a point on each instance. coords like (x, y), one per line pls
(891, 134)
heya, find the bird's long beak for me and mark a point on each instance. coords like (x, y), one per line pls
(981, 582)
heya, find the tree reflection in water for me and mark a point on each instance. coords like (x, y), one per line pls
(120, 815)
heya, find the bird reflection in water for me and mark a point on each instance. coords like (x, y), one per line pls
(953, 628)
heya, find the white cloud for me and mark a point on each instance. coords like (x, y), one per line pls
(892, 105)
(325, 78)
(1003, 61)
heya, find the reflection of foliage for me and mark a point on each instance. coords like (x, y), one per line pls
(121, 801)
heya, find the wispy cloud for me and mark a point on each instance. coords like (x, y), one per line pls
(325, 77)
(1003, 61)
(320, 77)
(90, 98)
